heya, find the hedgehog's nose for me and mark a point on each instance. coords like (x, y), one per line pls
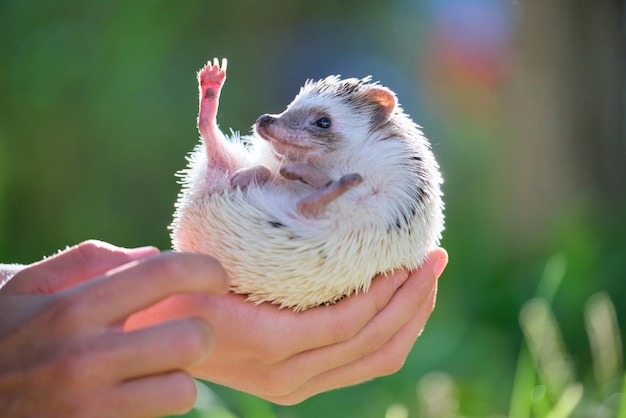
(265, 120)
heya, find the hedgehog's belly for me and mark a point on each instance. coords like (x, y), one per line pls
(297, 263)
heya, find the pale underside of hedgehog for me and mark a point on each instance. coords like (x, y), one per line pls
(319, 199)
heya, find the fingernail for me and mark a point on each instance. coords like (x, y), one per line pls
(399, 278)
(440, 266)
(142, 251)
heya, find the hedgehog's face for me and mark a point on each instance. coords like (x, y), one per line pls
(309, 128)
(321, 120)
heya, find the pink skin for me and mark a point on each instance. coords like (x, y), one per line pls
(64, 350)
(210, 82)
(305, 173)
(313, 205)
(288, 142)
(246, 176)
(326, 191)
(73, 304)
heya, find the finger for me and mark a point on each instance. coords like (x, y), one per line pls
(384, 361)
(165, 394)
(302, 331)
(142, 283)
(412, 297)
(291, 332)
(326, 325)
(171, 345)
(74, 265)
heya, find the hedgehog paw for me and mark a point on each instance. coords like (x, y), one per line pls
(244, 177)
(313, 205)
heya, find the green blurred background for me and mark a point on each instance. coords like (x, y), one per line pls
(523, 102)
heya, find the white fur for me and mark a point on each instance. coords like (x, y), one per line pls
(308, 262)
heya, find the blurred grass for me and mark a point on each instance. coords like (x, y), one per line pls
(622, 409)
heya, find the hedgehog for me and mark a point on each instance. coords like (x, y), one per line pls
(317, 200)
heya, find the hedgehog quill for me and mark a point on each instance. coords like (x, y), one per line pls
(317, 200)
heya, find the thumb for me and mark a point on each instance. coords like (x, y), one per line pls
(72, 266)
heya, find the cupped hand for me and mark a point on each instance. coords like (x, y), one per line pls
(286, 357)
(64, 351)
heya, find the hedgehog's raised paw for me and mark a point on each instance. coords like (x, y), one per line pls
(210, 81)
(212, 76)
(312, 205)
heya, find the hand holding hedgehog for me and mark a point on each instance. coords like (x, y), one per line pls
(339, 187)
(286, 357)
(279, 355)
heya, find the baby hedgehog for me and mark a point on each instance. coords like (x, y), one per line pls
(339, 187)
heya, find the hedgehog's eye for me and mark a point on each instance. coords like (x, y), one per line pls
(323, 123)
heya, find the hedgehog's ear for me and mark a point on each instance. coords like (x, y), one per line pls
(384, 101)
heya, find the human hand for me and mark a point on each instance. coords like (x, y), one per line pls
(64, 352)
(286, 357)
